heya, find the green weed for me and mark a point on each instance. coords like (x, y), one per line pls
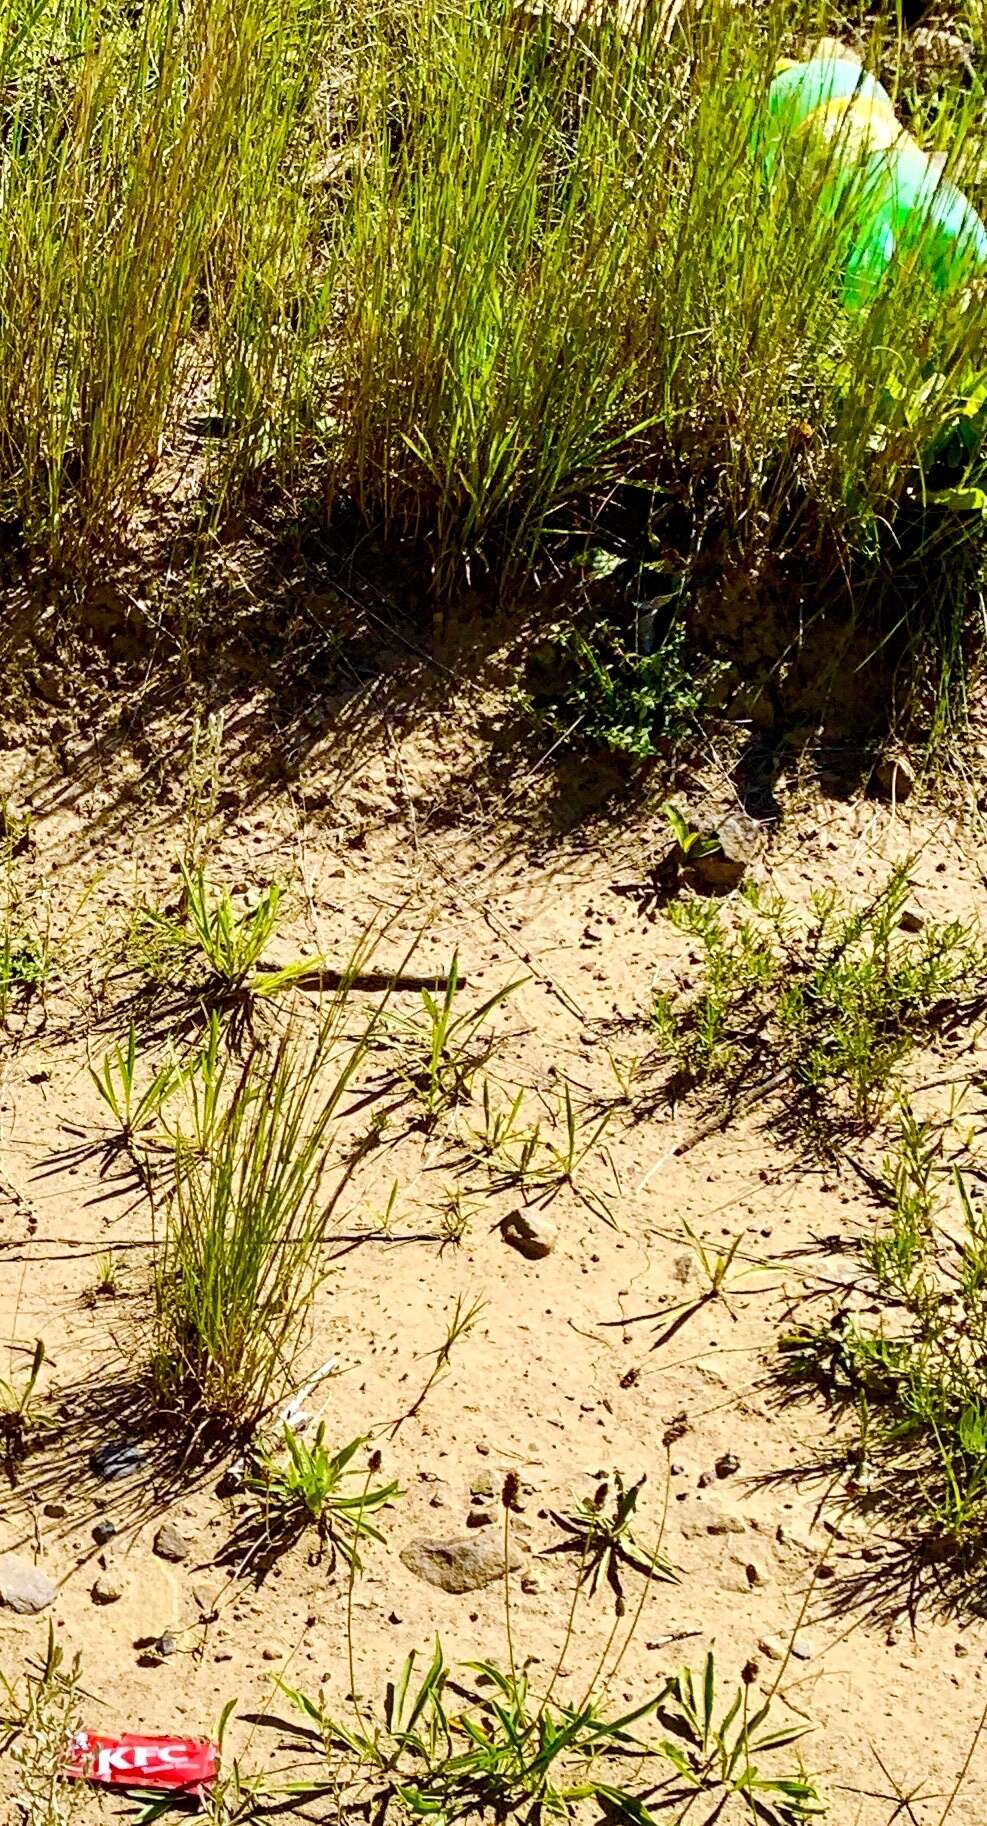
(17, 1411)
(302, 1486)
(605, 1541)
(916, 1379)
(830, 1004)
(638, 704)
(441, 1052)
(43, 1712)
(227, 946)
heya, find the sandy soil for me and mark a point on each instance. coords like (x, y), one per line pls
(571, 1369)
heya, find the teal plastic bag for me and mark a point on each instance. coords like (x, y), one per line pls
(830, 122)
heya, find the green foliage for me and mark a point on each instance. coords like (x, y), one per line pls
(226, 945)
(832, 1004)
(440, 1053)
(17, 1411)
(306, 1485)
(509, 1752)
(637, 704)
(605, 1541)
(716, 1756)
(134, 1110)
(917, 1380)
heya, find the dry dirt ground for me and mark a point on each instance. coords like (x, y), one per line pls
(600, 1356)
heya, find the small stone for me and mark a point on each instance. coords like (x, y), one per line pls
(24, 1588)
(960, 1649)
(531, 1233)
(725, 853)
(911, 921)
(772, 1648)
(894, 778)
(166, 1645)
(530, 1584)
(483, 1448)
(727, 1465)
(458, 1564)
(223, 1654)
(753, 1574)
(169, 1544)
(57, 1511)
(118, 1458)
(710, 1517)
(804, 1648)
(271, 1654)
(479, 1518)
(485, 1487)
(104, 1531)
(109, 1587)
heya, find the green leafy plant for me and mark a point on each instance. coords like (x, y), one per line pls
(17, 1411)
(635, 703)
(306, 1485)
(135, 1112)
(723, 1756)
(43, 1713)
(691, 842)
(229, 945)
(914, 1381)
(605, 1541)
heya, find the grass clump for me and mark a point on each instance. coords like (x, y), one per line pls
(831, 1005)
(917, 1379)
(440, 1052)
(42, 1714)
(510, 1751)
(240, 1256)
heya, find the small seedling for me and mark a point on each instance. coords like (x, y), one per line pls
(692, 844)
(134, 1111)
(440, 1056)
(605, 1541)
(459, 1325)
(16, 1409)
(308, 1486)
(105, 1286)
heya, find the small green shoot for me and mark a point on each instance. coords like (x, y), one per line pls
(605, 1540)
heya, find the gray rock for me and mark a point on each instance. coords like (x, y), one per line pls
(24, 1587)
(104, 1530)
(459, 1564)
(109, 1587)
(727, 1465)
(169, 1544)
(727, 851)
(531, 1233)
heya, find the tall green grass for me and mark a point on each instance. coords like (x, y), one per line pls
(547, 263)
